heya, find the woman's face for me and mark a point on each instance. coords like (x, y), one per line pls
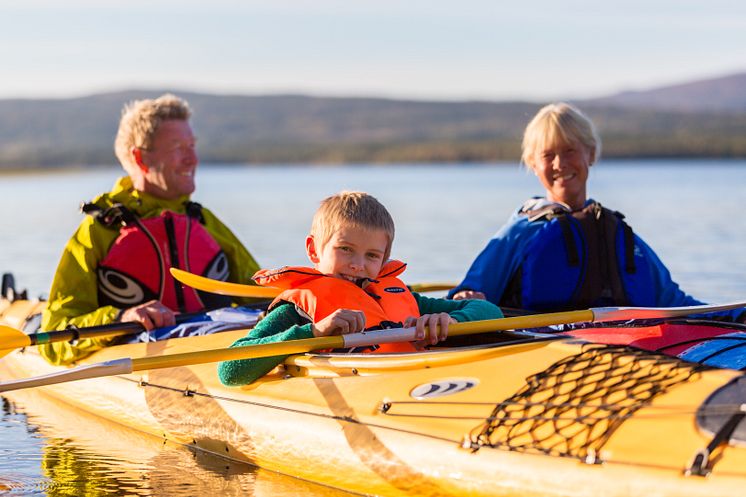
(562, 169)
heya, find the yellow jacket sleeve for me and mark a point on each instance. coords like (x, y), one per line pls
(73, 298)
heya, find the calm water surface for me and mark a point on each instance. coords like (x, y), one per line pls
(690, 212)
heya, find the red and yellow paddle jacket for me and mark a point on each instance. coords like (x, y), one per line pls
(386, 301)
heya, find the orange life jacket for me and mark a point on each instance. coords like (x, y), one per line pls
(386, 301)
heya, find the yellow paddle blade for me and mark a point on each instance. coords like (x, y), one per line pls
(223, 287)
(241, 290)
(11, 339)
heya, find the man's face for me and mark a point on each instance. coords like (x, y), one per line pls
(171, 160)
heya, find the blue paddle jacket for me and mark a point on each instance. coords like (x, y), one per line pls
(525, 265)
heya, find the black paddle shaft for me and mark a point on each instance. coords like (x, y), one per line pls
(72, 333)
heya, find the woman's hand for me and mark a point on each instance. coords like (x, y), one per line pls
(151, 315)
(469, 294)
(437, 324)
(340, 322)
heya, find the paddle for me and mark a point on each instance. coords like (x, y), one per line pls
(240, 290)
(11, 338)
(128, 365)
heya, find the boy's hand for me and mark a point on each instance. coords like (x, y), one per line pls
(469, 294)
(340, 322)
(438, 324)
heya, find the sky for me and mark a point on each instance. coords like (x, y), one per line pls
(534, 50)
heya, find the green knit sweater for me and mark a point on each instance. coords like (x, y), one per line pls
(285, 323)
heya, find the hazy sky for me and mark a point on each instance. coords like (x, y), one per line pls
(536, 50)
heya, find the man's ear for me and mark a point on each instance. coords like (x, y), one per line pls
(311, 250)
(137, 155)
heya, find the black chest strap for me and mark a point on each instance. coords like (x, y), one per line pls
(118, 215)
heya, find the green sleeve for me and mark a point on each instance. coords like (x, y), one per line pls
(282, 324)
(460, 310)
(241, 263)
(73, 298)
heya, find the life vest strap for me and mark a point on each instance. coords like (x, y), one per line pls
(573, 259)
(118, 215)
(112, 217)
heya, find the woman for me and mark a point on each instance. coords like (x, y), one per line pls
(564, 250)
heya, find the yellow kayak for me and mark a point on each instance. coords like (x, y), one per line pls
(524, 417)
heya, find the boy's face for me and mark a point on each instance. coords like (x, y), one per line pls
(350, 254)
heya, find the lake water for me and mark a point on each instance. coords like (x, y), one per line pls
(693, 213)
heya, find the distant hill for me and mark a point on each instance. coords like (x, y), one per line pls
(265, 128)
(295, 128)
(725, 94)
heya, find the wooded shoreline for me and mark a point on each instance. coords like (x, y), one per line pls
(280, 129)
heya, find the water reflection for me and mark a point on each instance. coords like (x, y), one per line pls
(55, 450)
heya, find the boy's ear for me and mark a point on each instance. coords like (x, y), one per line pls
(311, 251)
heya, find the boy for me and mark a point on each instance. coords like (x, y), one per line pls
(350, 288)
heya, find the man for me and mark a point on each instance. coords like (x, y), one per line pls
(115, 266)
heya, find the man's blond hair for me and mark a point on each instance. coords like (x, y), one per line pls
(140, 120)
(351, 209)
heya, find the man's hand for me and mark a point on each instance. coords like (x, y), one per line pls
(151, 315)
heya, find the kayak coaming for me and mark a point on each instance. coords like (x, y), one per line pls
(322, 418)
(332, 365)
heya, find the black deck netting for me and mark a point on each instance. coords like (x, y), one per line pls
(574, 406)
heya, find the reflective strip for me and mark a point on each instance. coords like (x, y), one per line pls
(392, 335)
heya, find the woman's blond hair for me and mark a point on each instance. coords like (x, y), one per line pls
(559, 123)
(140, 120)
(351, 208)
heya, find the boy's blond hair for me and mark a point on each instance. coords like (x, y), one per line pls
(351, 208)
(140, 120)
(556, 124)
